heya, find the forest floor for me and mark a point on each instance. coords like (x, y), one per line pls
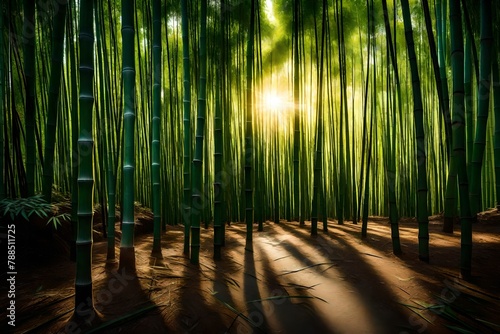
(290, 283)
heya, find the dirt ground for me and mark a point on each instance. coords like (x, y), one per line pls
(289, 283)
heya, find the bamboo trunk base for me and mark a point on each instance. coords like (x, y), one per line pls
(448, 224)
(127, 259)
(85, 315)
(424, 258)
(111, 255)
(217, 252)
(397, 251)
(83, 298)
(465, 274)
(156, 252)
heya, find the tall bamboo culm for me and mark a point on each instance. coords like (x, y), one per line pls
(296, 112)
(197, 205)
(127, 252)
(249, 154)
(318, 159)
(186, 100)
(56, 65)
(391, 137)
(74, 131)
(83, 282)
(418, 114)
(219, 146)
(483, 104)
(458, 121)
(29, 34)
(156, 129)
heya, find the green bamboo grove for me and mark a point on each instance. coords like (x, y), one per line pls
(253, 111)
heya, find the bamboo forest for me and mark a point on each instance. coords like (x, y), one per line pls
(250, 166)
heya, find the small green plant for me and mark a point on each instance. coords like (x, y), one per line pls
(56, 220)
(26, 207)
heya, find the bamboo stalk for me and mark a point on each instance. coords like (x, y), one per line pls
(197, 204)
(156, 128)
(187, 126)
(483, 104)
(127, 252)
(249, 149)
(422, 213)
(83, 281)
(54, 93)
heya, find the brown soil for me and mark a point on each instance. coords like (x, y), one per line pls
(290, 283)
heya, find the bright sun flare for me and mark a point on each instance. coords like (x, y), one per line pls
(274, 102)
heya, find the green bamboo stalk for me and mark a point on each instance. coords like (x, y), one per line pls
(370, 169)
(443, 101)
(219, 144)
(451, 200)
(441, 55)
(74, 132)
(54, 91)
(364, 225)
(418, 114)
(318, 160)
(249, 154)
(470, 34)
(109, 149)
(296, 111)
(391, 138)
(30, 85)
(305, 203)
(483, 104)
(156, 129)
(218, 158)
(469, 104)
(100, 164)
(127, 252)
(342, 161)
(391, 180)
(354, 155)
(187, 125)
(111, 186)
(83, 282)
(458, 121)
(451, 196)
(197, 204)
(439, 169)
(496, 97)
(144, 105)
(361, 193)
(367, 142)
